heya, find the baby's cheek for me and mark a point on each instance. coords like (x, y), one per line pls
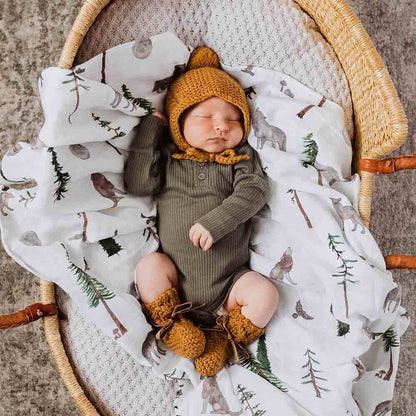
(198, 131)
(203, 124)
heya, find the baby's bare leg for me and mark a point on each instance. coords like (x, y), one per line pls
(257, 295)
(155, 273)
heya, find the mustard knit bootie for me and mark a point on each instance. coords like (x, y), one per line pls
(178, 333)
(219, 348)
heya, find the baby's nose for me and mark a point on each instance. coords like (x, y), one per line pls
(222, 126)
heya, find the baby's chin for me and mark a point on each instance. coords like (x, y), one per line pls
(214, 148)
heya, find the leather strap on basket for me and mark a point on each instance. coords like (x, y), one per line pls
(29, 314)
(400, 262)
(388, 165)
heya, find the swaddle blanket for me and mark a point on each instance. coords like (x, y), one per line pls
(332, 346)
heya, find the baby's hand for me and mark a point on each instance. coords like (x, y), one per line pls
(201, 236)
(161, 116)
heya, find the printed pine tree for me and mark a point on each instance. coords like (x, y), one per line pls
(77, 85)
(62, 177)
(106, 125)
(343, 328)
(244, 397)
(141, 102)
(311, 152)
(344, 269)
(312, 373)
(110, 246)
(28, 199)
(261, 364)
(96, 292)
(296, 198)
(390, 339)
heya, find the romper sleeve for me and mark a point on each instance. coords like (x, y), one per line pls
(250, 194)
(142, 172)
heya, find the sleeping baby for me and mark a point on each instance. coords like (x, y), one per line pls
(208, 183)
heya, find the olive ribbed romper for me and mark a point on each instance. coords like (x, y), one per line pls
(222, 198)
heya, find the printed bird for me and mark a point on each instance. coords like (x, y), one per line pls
(105, 188)
(300, 312)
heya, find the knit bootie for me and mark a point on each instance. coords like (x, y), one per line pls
(220, 341)
(178, 333)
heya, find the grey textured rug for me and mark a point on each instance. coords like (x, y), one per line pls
(31, 36)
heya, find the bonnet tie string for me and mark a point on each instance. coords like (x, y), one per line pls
(226, 157)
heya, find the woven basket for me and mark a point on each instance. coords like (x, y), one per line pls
(380, 128)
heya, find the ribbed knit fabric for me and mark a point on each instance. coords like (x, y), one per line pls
(222, 198)
(183, 337)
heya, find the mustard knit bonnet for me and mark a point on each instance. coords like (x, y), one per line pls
(204, 79)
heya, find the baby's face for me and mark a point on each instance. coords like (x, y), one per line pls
(213, 125)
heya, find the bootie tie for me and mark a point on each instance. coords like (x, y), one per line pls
(232, 331)
(178, 333)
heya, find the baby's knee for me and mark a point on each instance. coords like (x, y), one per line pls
(155, 265)
(265, 293)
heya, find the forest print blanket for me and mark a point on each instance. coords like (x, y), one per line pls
(332, 346)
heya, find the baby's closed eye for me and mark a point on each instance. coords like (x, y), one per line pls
(228, 119)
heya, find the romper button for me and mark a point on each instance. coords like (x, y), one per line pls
(202, 176)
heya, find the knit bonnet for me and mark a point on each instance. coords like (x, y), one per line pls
(204, 79)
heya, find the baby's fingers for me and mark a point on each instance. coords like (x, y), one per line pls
(195, 238)
(203, 240)
(208, 244)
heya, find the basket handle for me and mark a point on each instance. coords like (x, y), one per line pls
(394, 261)
(390, 166)
(29, 314)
